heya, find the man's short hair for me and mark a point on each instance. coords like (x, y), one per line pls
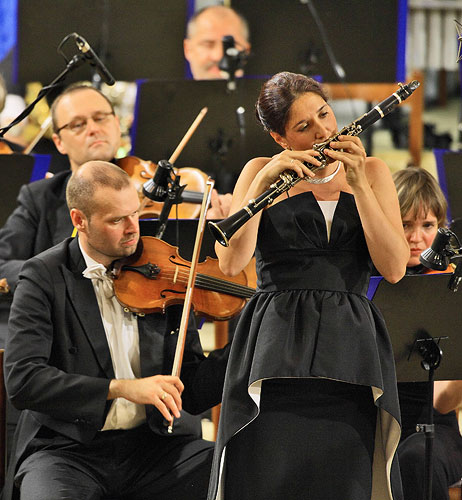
(82, 185)
(77, 87)
(192, 21)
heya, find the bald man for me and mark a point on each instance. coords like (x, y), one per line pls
(93, 379)
(203, 47)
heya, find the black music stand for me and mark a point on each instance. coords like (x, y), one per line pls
(223, 142)
(15, 170)
(136, 39)
(369, 34)
(421, 316)
(181, 233)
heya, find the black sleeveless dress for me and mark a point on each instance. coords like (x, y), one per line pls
(310, 318)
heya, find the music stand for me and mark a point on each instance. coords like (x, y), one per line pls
(224, 141)
(420, 313)
(181, 233)
(15, 170)
(136, 39)
(369, 34)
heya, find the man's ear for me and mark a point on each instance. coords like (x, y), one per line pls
(186, 49)
(79, 220)
(59, 144)
(280, 140)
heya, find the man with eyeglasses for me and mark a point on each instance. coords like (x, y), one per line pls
(85, 128)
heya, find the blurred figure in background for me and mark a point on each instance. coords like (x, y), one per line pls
(203, 45)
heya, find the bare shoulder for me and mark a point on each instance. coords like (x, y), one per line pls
(255, 165)
(251, 169)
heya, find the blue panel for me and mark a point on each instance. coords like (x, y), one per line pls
(134, 127)
(8, 26)
(439, 155)
(401, 41)
(373, 284)
(190, 9)
(41, 164)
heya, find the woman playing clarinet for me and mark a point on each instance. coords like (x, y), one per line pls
(310, 407)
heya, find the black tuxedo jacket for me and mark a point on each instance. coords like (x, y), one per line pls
(58, 366)
(40, 221)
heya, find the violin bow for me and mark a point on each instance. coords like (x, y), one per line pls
(192, 128)
(178, 359)
(188, 135)
(43, 128)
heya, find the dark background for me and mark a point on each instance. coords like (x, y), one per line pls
(144, 39)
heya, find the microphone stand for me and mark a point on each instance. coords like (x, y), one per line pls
(173, 198)
(336, 66)
(76, 61)
(431, 357)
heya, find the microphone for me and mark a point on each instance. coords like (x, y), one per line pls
(156, 189)
(456, 278)
(230, 55)
(240, 116)
(93, 59)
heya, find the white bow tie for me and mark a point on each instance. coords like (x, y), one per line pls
(104, 282)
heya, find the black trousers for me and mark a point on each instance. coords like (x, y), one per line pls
(135, 464)
(313, 440)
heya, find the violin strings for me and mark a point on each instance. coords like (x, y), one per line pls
(215, 284)
(211, 283)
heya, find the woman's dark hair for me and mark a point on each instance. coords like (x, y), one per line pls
(277, 96)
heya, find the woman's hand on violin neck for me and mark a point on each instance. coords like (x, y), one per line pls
(162, 391)
(350, 151)
(287, 160)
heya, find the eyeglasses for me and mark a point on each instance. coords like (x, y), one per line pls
(78, 125)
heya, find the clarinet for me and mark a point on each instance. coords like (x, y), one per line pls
(223, 230)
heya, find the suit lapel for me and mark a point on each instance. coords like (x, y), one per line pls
(85, 305)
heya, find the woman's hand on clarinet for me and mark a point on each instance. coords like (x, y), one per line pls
(350, 151)
(287, 160)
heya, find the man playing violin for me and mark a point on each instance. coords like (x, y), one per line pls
(92, 378)
(85, 128)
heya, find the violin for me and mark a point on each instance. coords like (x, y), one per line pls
(141, 171)
(156, 277)
(4, 148)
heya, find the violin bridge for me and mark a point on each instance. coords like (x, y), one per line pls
(176, 274)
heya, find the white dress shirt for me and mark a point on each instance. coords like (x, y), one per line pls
(121, 329)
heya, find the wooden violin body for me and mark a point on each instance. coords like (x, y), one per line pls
(159, 277)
